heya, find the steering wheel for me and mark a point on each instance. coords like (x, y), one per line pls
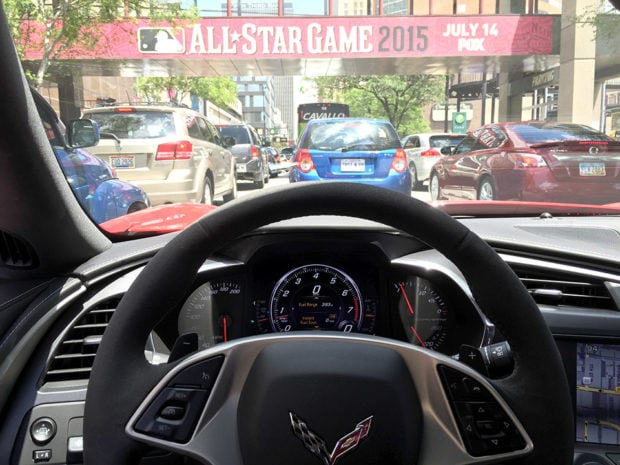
(327, 397)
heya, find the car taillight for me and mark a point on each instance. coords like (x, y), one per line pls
(430, 153)
(399, 162)
(174, 151)
(527, 160)
(254, 152)
(304, 161)
(125, 110)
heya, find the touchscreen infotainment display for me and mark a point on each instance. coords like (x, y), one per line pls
(597, 416)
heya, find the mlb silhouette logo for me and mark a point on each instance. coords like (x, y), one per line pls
(161, 40)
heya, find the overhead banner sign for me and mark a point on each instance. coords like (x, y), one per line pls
(325, 37)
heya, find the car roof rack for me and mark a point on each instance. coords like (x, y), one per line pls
(114, 103)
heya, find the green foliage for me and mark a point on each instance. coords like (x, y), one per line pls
(69, 22)
(220, 91)
(399, 99)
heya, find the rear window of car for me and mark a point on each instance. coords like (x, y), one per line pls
(239, 133)
(445, 141)
(535, 134)
(135, 125)
(342, 135)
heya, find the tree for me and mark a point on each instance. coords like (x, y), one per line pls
(56, 25)
(397, 98)
(220, 91)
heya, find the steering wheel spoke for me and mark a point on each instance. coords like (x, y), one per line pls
(209, 406)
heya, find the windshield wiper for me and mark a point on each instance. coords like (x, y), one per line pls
(109, 135)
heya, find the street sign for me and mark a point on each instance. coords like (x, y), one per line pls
(459, 122)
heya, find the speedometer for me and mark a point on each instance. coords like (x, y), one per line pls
(316, 297)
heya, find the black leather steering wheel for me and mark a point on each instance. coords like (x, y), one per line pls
(310, 398)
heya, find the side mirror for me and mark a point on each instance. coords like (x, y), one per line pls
(83, 133)
(229, 141)
(447, 150)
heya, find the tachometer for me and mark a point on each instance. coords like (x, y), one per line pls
(316, 297)
(207, 312)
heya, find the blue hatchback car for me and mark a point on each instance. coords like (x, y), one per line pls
(352, 149)
(92, 180)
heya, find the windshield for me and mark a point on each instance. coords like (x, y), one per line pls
(239, 133)
(135, 124)
(349, 135)
(445, 141)
(553, 132)
(514, 102)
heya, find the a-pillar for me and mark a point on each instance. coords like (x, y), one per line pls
(579, 96)
(70, 97)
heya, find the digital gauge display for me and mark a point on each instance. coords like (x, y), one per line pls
(317, 297)
(208, 312)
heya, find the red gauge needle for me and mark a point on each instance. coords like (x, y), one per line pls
(225, 324)
(410, 309)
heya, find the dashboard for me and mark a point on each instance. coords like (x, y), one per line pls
(356, 277)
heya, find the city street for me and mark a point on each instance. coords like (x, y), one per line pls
(246, 188)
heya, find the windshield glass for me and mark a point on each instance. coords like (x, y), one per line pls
(134, 125)
(344, 135)
(239, 133)
(515, 102)
(445, 141)
(552, 132)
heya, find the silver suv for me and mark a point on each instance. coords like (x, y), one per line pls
(174, 153)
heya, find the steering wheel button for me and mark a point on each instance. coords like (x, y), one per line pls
(475, 390)
(172, 412)
(165, 430)
(201, 375)
(488, 428)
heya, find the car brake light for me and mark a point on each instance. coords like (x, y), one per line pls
(304, 161)
(125, 110)
(527, 160)
(430, 153)
(399, 162)
(254, 152)
(174, 151)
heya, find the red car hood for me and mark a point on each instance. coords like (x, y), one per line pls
(157, 220)
(175, 217)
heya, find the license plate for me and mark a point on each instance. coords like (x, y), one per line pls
(123, 161)
(353, 164)
(591, 169)
(241, 169)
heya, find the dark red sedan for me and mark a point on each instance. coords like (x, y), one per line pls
(531, 161)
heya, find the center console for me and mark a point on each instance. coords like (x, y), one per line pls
(593, 368)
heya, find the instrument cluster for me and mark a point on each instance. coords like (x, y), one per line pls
(302, 290)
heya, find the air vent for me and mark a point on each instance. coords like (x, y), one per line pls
(553, 288)
(74, 356)
(16, 252)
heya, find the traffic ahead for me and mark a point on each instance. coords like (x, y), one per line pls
(246, 188)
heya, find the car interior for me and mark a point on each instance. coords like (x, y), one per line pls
(314, 322)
